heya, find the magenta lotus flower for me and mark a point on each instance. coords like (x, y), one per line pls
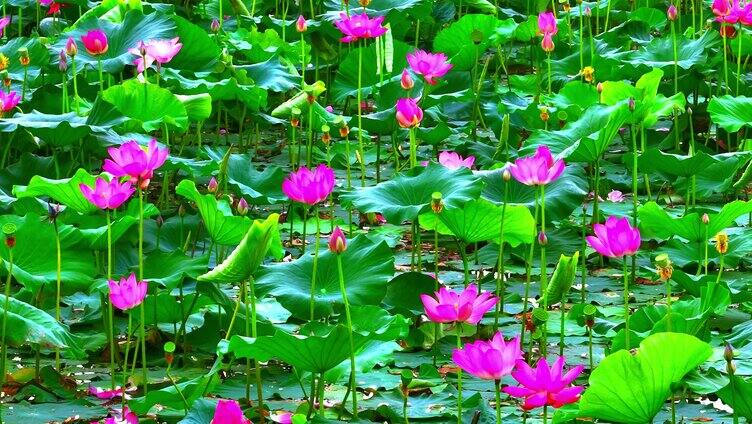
(107, 194)
(453, 160)
(357, 27)
(301, 25)
(127, 293)
(430, 65)
(337, 241)
(4, 22)
(282, 417)
(229, 412)
(126, 417)
(547, 43)
(95, 42)
(732, 12)
(547, 24)
(71, 48)
(616, 238)
(545, 386)
(489, 360)
(309, 187)
(151, 51)
(409, 114)
(538, 169)
(671, 13)
(106, 394)
(450, 306)
(8, 101)
(134, 161)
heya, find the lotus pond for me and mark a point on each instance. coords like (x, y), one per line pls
(424, 211)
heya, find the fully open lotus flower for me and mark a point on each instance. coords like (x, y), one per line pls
(731, 12)
(545, 386)
(106, 394)
(229, 412)
(282, 417)
(107, 194)
(615, 196)
(430, 65)
(450, 306)
(616, 238)
(8, 101)
(163, 51)
(4, 22)
(489, 360)
(453, 160)
(538, 169)
(127, 293)
(547, 24)
(309, 187)
(409, 114)
(95, 42)
(133, 161)
(357, 27)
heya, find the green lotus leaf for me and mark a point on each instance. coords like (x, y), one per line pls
(466, 40)
(55, 129)
(147, 105)
(562, 279)
(731, 113)
(222, 225)
(65, 191)
(656, 222)
(659, 53)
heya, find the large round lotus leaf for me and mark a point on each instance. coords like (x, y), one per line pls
(38, 57)
(660, 52)
(405, 196)
(367, 268)
(466, 40)
(147, 105)
(731, 113)
(55, 129)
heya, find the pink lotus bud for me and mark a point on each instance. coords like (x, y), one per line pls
(63, 63)
(242, 207)
(547, 43)
(409, 114)
(705, 219)
(406, 81)
(214, 25)
(71, 49)
(337, 241)
(301, 24)
(213, 185)
(671, 13)
(542, 238)
(588, 11)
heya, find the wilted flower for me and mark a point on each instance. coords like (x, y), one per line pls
(664, 266)
(588, 73)
(23, 56)
(453, 160)
(545, 386)
(107, 194)
(538, 169)
(429, 65)
(450, 306)
(127, 293)
(616, 238)
(105, 394)
(437, 204)
(134, 161)
(489, 360)
(95, 42)
(721, 242)
(409, 114)
(357, 27)
(309, 187)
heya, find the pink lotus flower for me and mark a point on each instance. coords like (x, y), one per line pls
(547, 43)
(95, 42)
(107, 194)
(8, 101)
(71, 48)
(616, 238)
(151, 51)
(282, 417)
(615, 196)
(453, 160)
(337, 241)
(309, 187)
(357, 27)
(731, 12)
(450, 306)
(538, 169)
(4, 22)
(430, 65)
(489, 360)
(671, 13)
(545, 386)
(127, 293)
(126, 417)
(132, 160)
(229, 412)
(406, 80)
(409, 114)
(301, 25)
(105, 394)
(547, 24)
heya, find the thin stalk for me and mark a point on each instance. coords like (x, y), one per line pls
(583, 272)
(739, 58)
(725, 59)
(548, 64)
(676, 57)
(528, 272)
(497, 383)
(413, 149)
(125, 356)
(500, 289)
(4, 348)
(459, 376)
(110, 311)
(626, 303)
(544, 267)
(75, 84)
(101, 75)
(141, 278)
(361, 149)
(315, 266)
(58, 287)
(254, 334)
(353, 381)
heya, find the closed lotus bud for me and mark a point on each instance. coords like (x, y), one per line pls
(242, 207)
(721, 242)
(588, 12)
(542, 238)
(599, 87)
(160, 221)
(301, 25)
(689, 111)
(544, 116)
(705, 219)
(310, 98)
(671, 13)
(337, 241)
(71, 48)
(631, 103)
(213, 185)
(181, 210)
(437, 204)
(728, 355)
(9, 229)
(506, 175)
(23, 56)
(63, 63)
(406, 81)
(214, 25)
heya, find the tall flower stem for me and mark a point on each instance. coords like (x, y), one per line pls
(583, 271)
(608, 16)
(361, 149)
(528, 272)
(500, 289)
(125, 356)
(706, 248)
(65, 107)
(720, 270)
(309, 145)
(626, 303)
(353, 381)
(544, 267)
(302, 61)
(548, 64)
(315, 265)
(58, 288)
(4, 366)
(459, 375)
(740, 36)
(676, 58)
(413, 149)
(142, 307)
(498, 401)
(101, 75)
(251, 295)
(725, 58)
(75, 84)
(24, 84)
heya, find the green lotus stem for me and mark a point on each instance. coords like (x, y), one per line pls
(302, 61)
(315, 265)
(500, 289)
(309, 146)
(254, 334)
(75, 85)
(529, 271)
(65, 93)
(142, 307)
(634, 175)
(465, 265)
(626, 303)
(497, 383)
(545, 407)
(413, 149)
(548, 64)
(739, 58)
(582, 49)
(23, 84)
(458, 328)
(692, 151)
(417, 245)
(353, 381)
(4, 348)
(361, 149)
(676, 57)
(706, 249)
(668, 304)
(544, 266)
(596, 190)
(583, 271)
(720, 270)
(186, 407)
(101, 75)
(608, 17)
(222, 16)
(590, 347)
(725, 59)
(20, 23)
(58, 283)
(125, 356)
(305, 227)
